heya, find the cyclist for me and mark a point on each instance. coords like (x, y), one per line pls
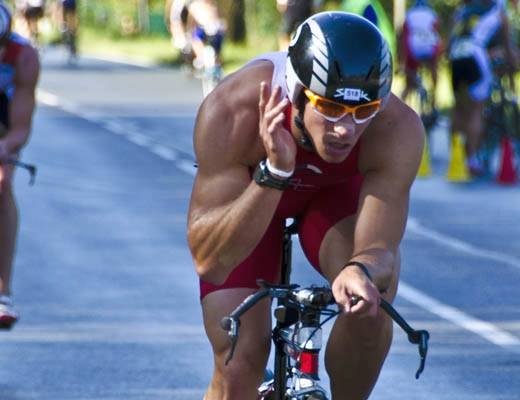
(177, 12)
(206, 27)
(32, 11)
(315, 134)
(480, 30)
(19, 70)
(420, 45)
(293, 13)
(69, 23)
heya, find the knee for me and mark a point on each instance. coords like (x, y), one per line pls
(245, 371)
(370, 332)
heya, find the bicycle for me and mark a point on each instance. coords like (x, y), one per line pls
(422, 102)
(211, 68)
(69, 40)
(501, 113)
(297, 334)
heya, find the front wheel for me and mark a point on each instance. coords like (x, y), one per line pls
(210, 79)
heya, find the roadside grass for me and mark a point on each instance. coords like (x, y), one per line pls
(158, 50)
(151, 49)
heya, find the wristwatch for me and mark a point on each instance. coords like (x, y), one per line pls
(263, 177)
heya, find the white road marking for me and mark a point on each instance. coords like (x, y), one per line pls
(127, 130)
(414, 226)
(164, 152)
(486, 330)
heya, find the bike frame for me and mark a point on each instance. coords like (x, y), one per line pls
(307, 358)
(280, 357)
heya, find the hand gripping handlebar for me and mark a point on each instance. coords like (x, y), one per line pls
(319, 297)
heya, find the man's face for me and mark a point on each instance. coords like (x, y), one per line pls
(333, 141)
(335, 128)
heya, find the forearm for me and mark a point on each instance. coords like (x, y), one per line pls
(223, 237)
(377, 236)
(380, 262)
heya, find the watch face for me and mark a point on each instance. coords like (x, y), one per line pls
(264, 178)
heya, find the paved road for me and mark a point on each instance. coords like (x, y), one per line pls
(105, 284)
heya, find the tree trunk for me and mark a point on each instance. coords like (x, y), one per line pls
(234, 12)
(143, 16)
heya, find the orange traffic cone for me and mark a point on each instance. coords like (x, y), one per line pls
(507, 172)
(457, 168)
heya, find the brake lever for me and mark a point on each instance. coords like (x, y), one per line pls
(29, 167)
(231, 326)
(420, 338)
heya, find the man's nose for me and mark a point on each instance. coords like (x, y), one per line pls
(345, 126)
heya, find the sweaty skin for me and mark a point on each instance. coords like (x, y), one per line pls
(237, 126)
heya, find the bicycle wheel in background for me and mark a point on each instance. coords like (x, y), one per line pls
(501, 119)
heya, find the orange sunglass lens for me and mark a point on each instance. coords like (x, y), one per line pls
(330, 109)
(366, 111)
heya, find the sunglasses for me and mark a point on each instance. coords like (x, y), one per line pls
(332, 111)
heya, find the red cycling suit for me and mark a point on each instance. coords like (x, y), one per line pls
(13, 47)
(320, 195)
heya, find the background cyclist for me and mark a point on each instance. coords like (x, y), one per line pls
(18, 78)
(31, 11)
(69, 24)
(325, 142)
(177, 22)
(206, 26)
(420, 46)
(480, 31)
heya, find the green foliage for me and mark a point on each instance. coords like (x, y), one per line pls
(262, 18)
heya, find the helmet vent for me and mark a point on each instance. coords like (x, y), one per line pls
(338, 68)
(369, 73)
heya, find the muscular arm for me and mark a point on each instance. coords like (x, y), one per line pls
(384, 196)
(22, 104)
(229, 213)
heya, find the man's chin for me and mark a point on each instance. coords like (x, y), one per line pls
(335, 154)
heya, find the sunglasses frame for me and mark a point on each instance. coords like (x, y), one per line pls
(313, 97)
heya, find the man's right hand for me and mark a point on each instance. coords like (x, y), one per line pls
(279, 143)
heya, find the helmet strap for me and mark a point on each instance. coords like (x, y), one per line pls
(305, 137)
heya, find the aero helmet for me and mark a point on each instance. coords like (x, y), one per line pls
(340, 56)
(5, 21)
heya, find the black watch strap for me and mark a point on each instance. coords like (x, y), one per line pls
(263, 177)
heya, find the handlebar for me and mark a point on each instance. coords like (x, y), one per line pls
(317, 298)
(29, 167)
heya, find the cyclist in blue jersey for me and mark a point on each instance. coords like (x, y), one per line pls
(480, 32)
